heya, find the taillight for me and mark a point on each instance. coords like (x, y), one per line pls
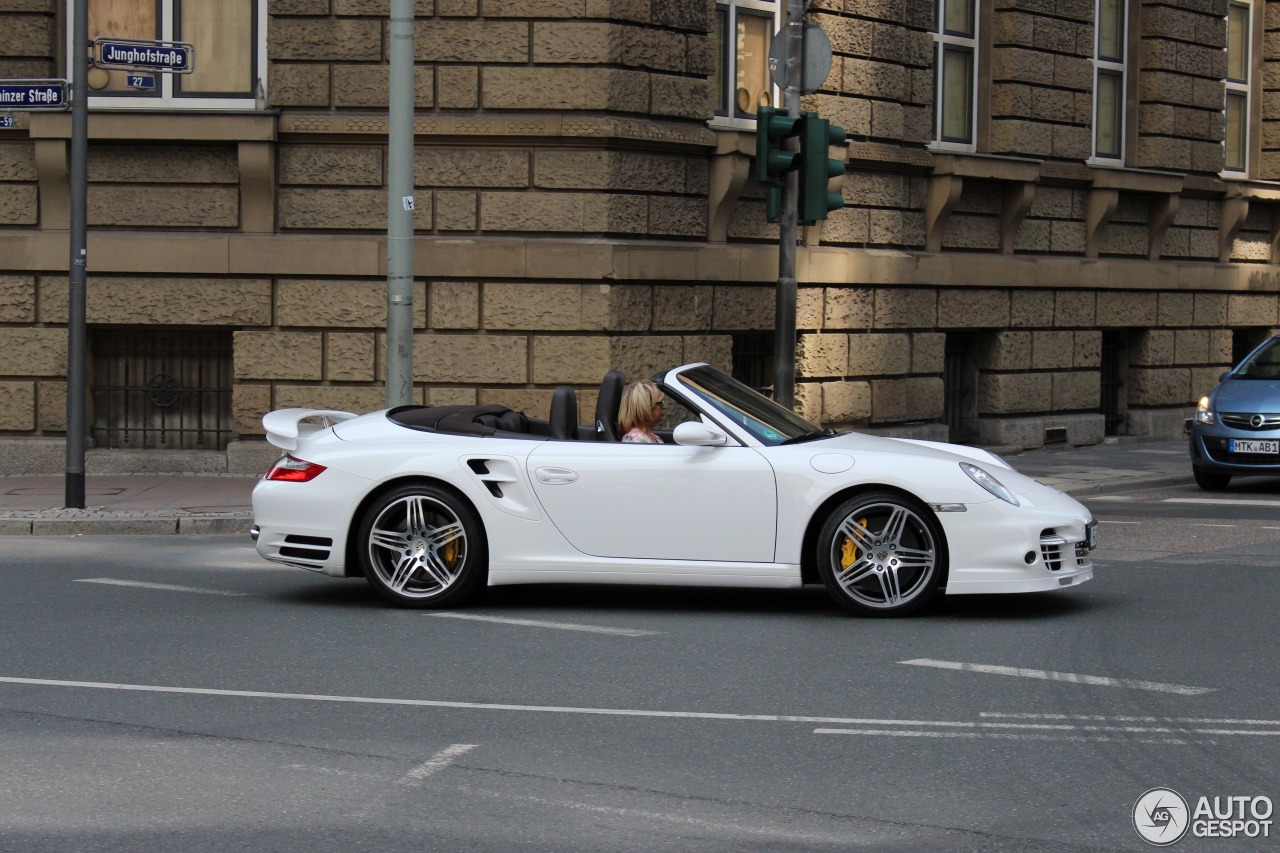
(294, 470)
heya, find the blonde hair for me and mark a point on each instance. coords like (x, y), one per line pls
(638, 400)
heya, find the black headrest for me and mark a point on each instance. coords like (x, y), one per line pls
(607, 405)
(564, 413)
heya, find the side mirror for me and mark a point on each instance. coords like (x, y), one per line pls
(696, 434)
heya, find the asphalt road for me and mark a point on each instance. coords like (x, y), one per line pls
(178, 693)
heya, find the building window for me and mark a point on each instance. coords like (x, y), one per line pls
(228, 40)
(1109, 80)
(955, 48)
(1239, 68)
(161, 388)
(743, 35)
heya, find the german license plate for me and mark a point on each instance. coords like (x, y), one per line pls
(1236, 445)
(1091, 534)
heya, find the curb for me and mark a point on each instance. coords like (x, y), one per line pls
(1100, 487)
(130, 523)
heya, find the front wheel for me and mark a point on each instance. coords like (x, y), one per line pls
(422, 546)
(881, 554)
(1210, 482)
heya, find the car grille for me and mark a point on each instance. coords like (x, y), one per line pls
(1057, 552)
(1217, 450)
(1244, 420)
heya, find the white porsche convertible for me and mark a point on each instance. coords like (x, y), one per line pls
(431, 503)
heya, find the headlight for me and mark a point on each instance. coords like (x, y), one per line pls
(1204, 414)
(991, 484)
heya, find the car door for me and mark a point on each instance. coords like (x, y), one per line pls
(658, 501)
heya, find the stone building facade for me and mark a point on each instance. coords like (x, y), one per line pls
(1060, 222)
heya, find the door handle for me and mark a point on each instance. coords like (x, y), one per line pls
(555, 476)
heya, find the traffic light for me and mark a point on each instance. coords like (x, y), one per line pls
(773, 128)
(817, 135)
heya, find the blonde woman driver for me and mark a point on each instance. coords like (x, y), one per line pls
(641, 409)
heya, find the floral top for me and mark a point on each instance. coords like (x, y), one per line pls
(636, 435)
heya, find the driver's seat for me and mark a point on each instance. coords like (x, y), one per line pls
(607, 405)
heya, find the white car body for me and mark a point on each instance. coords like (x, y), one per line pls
(739, 514)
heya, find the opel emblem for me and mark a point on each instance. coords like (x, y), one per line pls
(1257, 421)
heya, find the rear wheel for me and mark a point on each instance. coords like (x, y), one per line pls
(422, 546)
(881, 554)
(1211, 482)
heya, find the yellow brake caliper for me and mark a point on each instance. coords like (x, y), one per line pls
(848, 550)
(450, 553)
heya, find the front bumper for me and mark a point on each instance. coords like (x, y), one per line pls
(995, 549)
(1211, 452)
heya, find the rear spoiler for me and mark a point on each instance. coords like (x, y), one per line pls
(285, 428)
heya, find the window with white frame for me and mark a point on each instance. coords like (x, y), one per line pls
(743, 33)
(228, 39)
(955, 63)
(1110, 43)
(1239, 73)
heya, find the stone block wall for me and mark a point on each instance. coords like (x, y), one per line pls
(867, 357)
(19, 200)
(651, 60)
(1181, 64)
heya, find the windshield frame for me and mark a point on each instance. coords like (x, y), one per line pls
(738, 408)
(1271, 368)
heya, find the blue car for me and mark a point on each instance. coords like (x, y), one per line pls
(1236, 429)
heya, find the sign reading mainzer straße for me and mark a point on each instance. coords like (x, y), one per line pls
(33, 94)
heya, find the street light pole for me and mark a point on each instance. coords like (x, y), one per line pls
(78, 179)
(400, 208)
(784, 323)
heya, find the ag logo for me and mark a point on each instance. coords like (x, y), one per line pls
(1161, 816)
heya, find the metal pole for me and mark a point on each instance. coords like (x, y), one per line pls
(78, 180)
(784, 315)
(400, 208)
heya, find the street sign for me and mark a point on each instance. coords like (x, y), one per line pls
(140, 81)
(815, 62)
(6, 121)
(33, 94)
(117, 54)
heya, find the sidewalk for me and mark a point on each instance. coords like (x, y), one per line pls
(219, 503)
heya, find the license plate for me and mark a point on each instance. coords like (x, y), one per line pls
(1091, 535)
(1236, 445)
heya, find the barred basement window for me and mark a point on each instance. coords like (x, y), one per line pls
(753, 360)
(161, 388)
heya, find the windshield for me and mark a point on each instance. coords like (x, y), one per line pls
(1263, 363)
(769, 422)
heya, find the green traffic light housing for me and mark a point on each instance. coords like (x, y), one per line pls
(817, 135)
(773, 128)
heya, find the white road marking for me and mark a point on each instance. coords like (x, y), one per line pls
(1099, 718)
(1049, 675)
(990, 735)
(534, 623)
(1052, 728)
(1221, 501)
(436, 763)
(1212, 525)
(166, 586)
